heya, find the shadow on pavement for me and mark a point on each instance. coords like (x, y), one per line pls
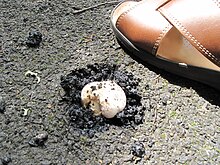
(208, 93)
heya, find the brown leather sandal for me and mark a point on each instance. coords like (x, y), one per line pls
(180, 36)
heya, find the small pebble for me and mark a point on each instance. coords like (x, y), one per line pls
(38, 140)
(34, 38)
(150, 143)
(32, 143)
(6, 159)
(138, 149)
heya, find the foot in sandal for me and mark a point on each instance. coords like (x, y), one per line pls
(180, 36)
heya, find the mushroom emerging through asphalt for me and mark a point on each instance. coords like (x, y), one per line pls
(106, 98)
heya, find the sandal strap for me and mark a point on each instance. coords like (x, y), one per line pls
(143, 25)
(199, 22)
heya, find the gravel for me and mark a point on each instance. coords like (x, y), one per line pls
(181, 118)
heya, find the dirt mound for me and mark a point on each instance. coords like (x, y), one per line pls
(83, 118)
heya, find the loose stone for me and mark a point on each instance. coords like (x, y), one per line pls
(138, 149)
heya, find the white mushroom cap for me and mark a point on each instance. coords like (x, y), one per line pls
(106, 98)
(86, 93)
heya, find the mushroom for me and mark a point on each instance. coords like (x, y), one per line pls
(106, 98)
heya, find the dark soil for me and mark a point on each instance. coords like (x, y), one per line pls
(83, 118)
(168, 119)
